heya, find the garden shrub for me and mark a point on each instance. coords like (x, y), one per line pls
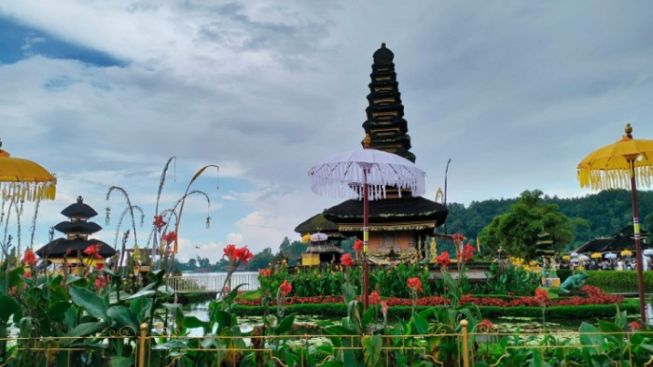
(613, 280)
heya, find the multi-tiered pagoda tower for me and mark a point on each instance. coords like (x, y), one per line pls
(77, 230)
(385, 123)
(400, 225)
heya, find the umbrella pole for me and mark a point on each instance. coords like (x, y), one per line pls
(366, 279)
(638, 243)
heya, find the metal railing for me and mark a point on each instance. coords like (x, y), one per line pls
(145, 350)
(200, 283)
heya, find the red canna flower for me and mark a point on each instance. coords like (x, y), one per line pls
(358, 246)
(159, 222)
(634, 325)
(100, 283)
(264, 273)
(346, 260)
(374, 298)
(384, 309)
(467, 253)
(231, 252)
(93, 250)
(415, 284)
(443, 260)
(285, 288)
(99, 266)
(457, 237)
(485, 325)
(169, 237)
(541, 296)
(29, 258)
(244, 255)
(27, 275)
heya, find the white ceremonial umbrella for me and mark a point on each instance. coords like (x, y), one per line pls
(319, 237)
(610, 256)
(648, 252)
(365, 174)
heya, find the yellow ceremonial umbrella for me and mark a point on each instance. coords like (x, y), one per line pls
(624, 164)
(22, 179)
(596, 255)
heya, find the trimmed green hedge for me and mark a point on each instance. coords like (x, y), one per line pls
(613, 280)
(553, 312)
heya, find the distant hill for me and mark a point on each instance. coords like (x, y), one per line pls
(601, 214)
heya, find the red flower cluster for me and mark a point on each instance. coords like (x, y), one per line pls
(27, 275)
(484, 326)
(374, 298)
(264, 273)
(235, 254)
(346, 260)
(29, 258)
(93, 251)
(634, 325)
(169, 237)
(457, 237)
(358, 246)
(285, 288)
(466, 254)
(159, 222)
(443, 260)
(415, 284)
(541, 296)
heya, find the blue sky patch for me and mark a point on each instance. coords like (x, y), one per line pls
(18, 41)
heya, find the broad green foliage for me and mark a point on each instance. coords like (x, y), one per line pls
(516, 230)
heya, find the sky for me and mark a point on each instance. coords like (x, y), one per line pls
(102, 93)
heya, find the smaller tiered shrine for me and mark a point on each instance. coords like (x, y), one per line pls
(77, 248)
(323, 241)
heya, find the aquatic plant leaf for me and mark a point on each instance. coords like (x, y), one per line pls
(89, 301)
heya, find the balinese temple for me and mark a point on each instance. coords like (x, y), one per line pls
(400, 225)
(77, 230)
(323, 245)
(544, 245)
(622, 240)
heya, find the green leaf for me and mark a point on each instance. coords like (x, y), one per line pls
(8, 307)
(372, 349)
(171, 344)
(421, 325)
(89, 301)
(192, 322)
(121, 362)
(57, 310)
(285, 324)
(123, 317)
(85, 329)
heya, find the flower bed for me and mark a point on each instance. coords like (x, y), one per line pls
(594, 296)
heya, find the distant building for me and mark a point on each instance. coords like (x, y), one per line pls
(622, 240)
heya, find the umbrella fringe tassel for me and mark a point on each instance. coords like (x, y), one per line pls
(614, 179)
(28, 191)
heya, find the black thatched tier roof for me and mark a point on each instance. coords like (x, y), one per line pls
(621, 240)
(78, 227)
(60, 246)
(317, 223)
(388, 210)
(79, 210)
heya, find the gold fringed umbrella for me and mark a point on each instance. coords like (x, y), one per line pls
(22, 179)
(624, 164)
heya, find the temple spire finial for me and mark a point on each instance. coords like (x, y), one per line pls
(629, 131)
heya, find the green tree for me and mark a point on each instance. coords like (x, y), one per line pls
(292, 250)
(262, 259)
(516, 230)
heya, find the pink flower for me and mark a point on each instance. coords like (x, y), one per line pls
(415, 284)
(346, 260)
(374, 298)
(285, 288)
(457, 237)
(29, 258)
